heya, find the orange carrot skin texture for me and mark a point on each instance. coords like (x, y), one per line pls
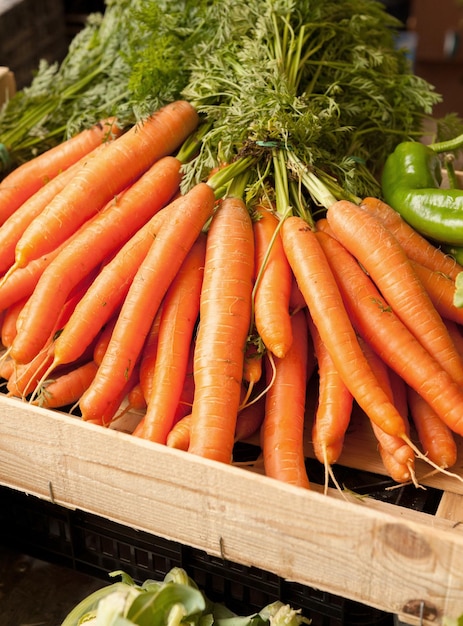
(377, 323)
(250, 419)
(9, 322)
(136, 398)
(179, 436)
(105, 296)
(282, 431)
(379, 252)
(415, 245)
(180, 311)
(321, 293)
(274, 282)
(440, 288)
(29, 177)
(67, 388)
(225, 318)
(103, 235)
(334, 409)
(399, 472)
(174, 240)
(13, 228)
(436, 438)
(148, 356)
(116, 167)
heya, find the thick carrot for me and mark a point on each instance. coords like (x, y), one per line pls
(114, 169)
(106, 294)
(415, 245)
(399, 472)
(225, 318)
(377, 323)
(273, 285)
(180, 311)
(441, 289)
(29, 177)
(13, 228)
(100, 237)
(436, 438)
(66, 389)
(146, 292)
(379, 252)
(282, 431)
(334, 406)
(320, 290)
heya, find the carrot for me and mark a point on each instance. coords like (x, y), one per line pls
(136, 398)
(7, 367)
(455, 332)
(13, 228)
(114, 169)
(334, 407)
(273, 285)
(399, 472)
(436, 438)
(282, 431)
(113, 404)
(146, 292)
(176, 327)
(102, 340)
(252, 369)
(66, 388)
(148, 356)
(225, 319)
(179, 436)
(379, 252)
(415, 245)
(321, 293)
(185, 402)
(441, 290)
(250, 418)
(9, 322)
(377, 323)
(106, 294)
(100, 237)
(29, 177)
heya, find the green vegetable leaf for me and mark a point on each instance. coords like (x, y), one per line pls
(169, 606)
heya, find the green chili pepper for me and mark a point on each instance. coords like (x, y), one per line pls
(411, 181)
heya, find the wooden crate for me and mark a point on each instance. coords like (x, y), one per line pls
(385, 556)
(7, 84)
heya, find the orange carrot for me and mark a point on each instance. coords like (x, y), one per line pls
(319, 288)
(185, 402)
(334, 407)
(377, 323)
(146, 292)
(13, 228)
(441, 290)
(282, 431)
(136, 398)
(114, 169)
(379, 252)
(102, 340)
(66, 388)
(9, 322)
(100, 237)
(176, 327)
(399, 472)
(29, 177)
(436, 438)
(106, 294)
(272, 290)
(7, 367)
(225, 319)
(148, 356)
(250, 418)
(179, 436)
(415, 245)
(252, 369)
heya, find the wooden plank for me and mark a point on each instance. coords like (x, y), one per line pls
(378, 555)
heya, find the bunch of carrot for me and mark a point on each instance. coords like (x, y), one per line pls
(207, 318)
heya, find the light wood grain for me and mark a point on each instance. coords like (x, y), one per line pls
(367, 551)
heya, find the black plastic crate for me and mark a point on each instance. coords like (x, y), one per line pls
(92, 545)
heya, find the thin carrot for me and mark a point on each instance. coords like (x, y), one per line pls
(9, 322)
(179, 436)
(66, 389)
(250, 418)
(377, 323)
(29, 177)
(114, 169)
(455, 332)
(13, 228)
(7, 367)
(321, 292)
(441, 289)
(106, 294)
(252, 369)
(111, 410)
(282, 431)
(100, 237)
(379, 252)
(148, 356)
(399, 472)
(185, 402)
(146, 292)
(180, 311)
(225, 318)
(102, 340)
(415, 245)
(334, 406)
(436, 438)
(272, 290)
(136, 399)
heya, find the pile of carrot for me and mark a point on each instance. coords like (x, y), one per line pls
(212, 320)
